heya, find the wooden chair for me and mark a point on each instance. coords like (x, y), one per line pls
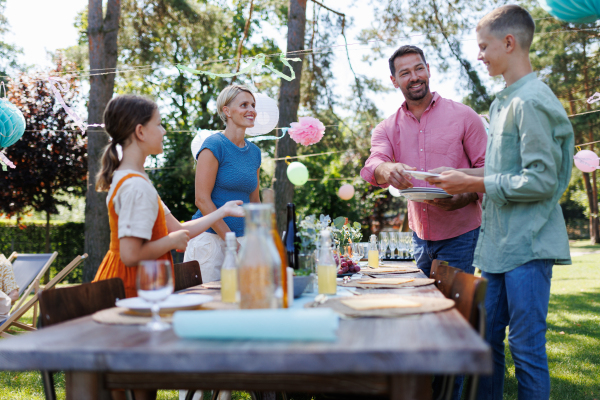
(444, 276)
(23, 306)
(187, 274)
(468, 293)
(61, 305)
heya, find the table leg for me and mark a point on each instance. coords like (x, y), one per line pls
(410, 387)
(85, 386)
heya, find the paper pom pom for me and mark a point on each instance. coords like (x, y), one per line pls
(307, 131)
(12, 123)
(576, 11)
(393, 191)
(297, 173)
(198, 140)
(346, 192)
(586, 160)
(267, 115)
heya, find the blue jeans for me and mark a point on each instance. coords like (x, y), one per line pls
(458, 251)
(519, 299)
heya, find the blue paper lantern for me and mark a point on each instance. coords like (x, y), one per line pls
(575, 11)
(12, 123)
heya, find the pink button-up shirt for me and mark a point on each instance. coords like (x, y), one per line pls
(449, 134)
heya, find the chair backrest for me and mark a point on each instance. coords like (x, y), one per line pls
(31, 267)
(468, 293)
(187, 274)
(64, 304)
(444, 276)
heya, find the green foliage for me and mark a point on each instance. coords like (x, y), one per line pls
(65, 238)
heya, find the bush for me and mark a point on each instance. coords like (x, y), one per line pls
(66, 238)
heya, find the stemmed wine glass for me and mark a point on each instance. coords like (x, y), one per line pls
(357, 252)
(383, 240)
(394, 243)
(155, 284)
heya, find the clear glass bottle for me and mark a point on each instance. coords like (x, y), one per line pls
(269, 198)
(373, 252)
(326, 266)
(258, 269)
(229, 278)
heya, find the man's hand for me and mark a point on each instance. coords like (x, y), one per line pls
(455, 202)
(393, 173)
(455, 182)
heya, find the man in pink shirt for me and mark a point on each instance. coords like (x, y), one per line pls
(426, 133)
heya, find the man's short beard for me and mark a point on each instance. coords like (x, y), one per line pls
(410, 96)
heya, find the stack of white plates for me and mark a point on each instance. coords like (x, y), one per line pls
(424, 193)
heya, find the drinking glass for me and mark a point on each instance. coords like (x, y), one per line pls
(155, 284)
(394, 243)
(357, 252)
(382, 248)
(383, 240)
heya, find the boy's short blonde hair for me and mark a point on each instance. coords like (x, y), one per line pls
(510, 20)
(226, 97)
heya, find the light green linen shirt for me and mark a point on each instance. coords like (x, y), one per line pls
(528, 164)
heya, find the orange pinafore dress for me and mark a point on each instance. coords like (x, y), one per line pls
(112, 266)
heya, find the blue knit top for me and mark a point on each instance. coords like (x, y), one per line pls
(236, 176)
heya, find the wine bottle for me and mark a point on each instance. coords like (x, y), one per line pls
(290, 240)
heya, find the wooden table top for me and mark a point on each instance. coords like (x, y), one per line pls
(423, 344)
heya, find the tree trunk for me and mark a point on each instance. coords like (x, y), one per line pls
(47, 274)
(289, 101)
(102, 35)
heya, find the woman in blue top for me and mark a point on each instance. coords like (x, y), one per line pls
(228, 169)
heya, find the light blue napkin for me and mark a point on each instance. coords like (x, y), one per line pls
(271, 324)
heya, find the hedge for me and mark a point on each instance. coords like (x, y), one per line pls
(67, 238)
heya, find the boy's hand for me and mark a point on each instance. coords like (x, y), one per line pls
(398, 178)
(455, 202)
(440, 170)
(453, 182)
(179, 239)
(233, 209)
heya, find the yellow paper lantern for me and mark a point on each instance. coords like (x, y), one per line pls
(346, 192)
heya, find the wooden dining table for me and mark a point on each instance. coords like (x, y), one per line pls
(391, 357)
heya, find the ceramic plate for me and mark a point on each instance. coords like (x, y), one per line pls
(173, 302)
(424, 195)
(421, 174)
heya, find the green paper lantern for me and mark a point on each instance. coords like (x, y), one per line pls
(297, 173)
(12, 123)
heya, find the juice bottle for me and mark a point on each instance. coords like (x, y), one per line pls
(373, 252)
(229, 279)
(326, 266)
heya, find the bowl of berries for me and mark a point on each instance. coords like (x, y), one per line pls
(347, 267)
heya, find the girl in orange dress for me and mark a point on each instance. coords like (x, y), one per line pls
(141, 225)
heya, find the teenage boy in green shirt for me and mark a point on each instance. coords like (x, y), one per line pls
(527, 168)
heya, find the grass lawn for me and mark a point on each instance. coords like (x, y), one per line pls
(573, 340)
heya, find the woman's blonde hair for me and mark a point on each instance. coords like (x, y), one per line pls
(121, 116)
(226, 97)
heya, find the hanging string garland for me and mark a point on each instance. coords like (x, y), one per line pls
(575, 11)
(346, 192)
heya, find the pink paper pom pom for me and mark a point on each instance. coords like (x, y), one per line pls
(307, 131)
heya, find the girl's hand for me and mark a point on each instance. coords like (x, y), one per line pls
(440, 170)
(233, 209)
(179, 239)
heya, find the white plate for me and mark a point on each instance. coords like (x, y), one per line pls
(423, 189)
(174, 301)
(421, 174)
(422, 196)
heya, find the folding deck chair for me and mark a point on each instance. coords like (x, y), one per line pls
(27, 269)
